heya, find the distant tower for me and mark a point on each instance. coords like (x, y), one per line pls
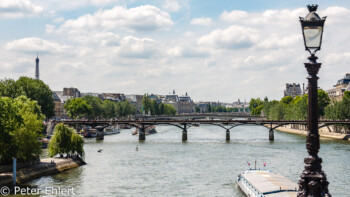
(37, 67)
(174, 92)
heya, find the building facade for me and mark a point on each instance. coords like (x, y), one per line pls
(61, 97)
(293, 90)
(342, 85)
(182, 104)
(136, 100)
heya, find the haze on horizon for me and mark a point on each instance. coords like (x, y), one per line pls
(224, 50)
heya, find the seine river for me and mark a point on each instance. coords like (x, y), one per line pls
(206, 165)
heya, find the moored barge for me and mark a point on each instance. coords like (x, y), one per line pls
(265, 183)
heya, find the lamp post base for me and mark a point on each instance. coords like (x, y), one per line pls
(313, 182)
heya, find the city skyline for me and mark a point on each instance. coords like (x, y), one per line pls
(213, 50)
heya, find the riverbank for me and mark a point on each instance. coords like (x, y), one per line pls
(322, 132)
(46, 167)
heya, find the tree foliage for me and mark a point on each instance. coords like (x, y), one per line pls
(21, 124)
(93, 107)
(65, 140)
(34, 89)
(77, 108)
(323, 101)
(339, 110)
(256, 106)
(146, 103)
(294, 109)
(96, 106)
(156, 108)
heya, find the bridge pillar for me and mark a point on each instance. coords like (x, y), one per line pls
(184, 133)
(99, 133)
(142, 133)
(271, 135)
(227, 134)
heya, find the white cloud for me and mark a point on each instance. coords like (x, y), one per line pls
(202, 21)
(18, 9)
(274, 41)
(233, 37)
(34, 44)
(187, 52)
(142, 18)
(282, 18)
(172, 5)
(58, 20)
(68, 5)
(133, 47)
(124, 42)
(234, 16)
(337, 15)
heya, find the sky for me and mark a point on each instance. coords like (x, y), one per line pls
(213, 50)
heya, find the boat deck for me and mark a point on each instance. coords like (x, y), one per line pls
(271, 184)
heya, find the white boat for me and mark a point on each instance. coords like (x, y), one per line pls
(111, 130)
(261, 183)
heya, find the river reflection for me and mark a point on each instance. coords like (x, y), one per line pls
(206, 165)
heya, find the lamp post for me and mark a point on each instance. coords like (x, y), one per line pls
(313, 181)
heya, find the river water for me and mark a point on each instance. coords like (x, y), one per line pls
(205, 165)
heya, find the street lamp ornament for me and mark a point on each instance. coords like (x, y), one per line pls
(313, 181)
(312, 28)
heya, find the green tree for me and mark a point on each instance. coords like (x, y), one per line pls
(277, 111)
(287, 99)
(256, 106)
(96, 106)
(77, 144)
(9, 88)
(162, 109)
(21, 124)
(209, 109)
(65, 140)
(34, 89)
(109, 109)
(146, 103)
(155, 108)
(339, 110)
(27, 135)
(169, 109)
(126, 109)
(323, 101)
(77, 108)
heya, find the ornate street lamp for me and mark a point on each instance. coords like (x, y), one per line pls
(313, 180)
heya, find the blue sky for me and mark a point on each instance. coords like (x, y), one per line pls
(214, 50)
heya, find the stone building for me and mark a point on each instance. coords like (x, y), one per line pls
(203, 106)
(136, 100)
(71, 92)
(182, 104)
(58, 110)
(116, 97)
(186, 105)
(293, 90)
(341, 86)
(60, 98)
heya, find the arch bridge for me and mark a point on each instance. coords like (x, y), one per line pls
(227, 125)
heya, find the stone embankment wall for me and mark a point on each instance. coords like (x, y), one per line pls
(328, 131)
(45, 167)
(9, 168)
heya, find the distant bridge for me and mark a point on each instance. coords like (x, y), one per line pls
(217, 115)
(186, 124)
